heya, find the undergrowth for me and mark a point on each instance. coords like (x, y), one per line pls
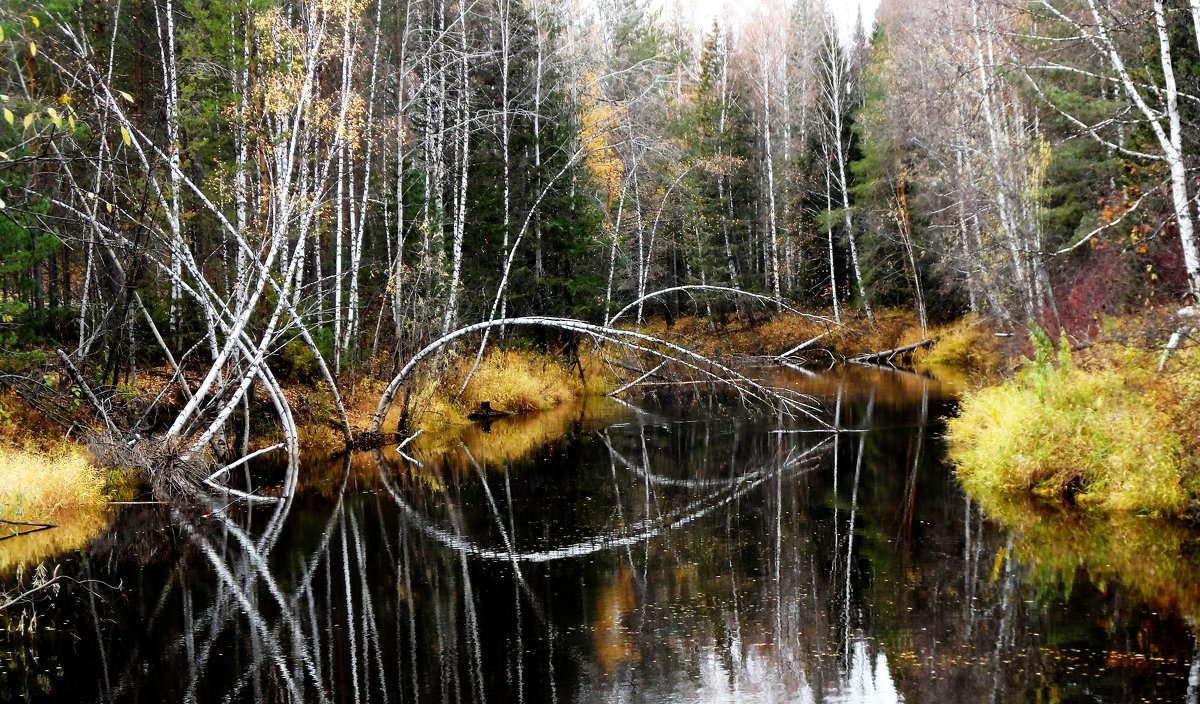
(512, 380)
(1093, 436)
(38, 487)
(966, 344)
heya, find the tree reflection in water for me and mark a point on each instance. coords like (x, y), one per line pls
(658, 554)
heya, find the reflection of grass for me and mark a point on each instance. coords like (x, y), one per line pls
(1154, 558)
(507, 439)
(76, 528)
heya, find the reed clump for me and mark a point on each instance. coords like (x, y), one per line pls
(512, 380)
(771, 334)
(518, 381)
(59, 488)
(967, 344)
(1089, 436)
(38, 487)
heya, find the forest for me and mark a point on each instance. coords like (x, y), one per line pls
(584, 350)
(243, 195)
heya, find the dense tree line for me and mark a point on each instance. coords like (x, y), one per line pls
(217, 184)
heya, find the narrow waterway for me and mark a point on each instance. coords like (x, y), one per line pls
(682, 551)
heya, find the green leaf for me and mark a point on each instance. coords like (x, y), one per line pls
(125, 137)
(1, 34)
(8, 116)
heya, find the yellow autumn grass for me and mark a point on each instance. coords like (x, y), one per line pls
(59, 488)
(1108, 431)
(967, 344)
(507, 439)
(511, 380)
(39, 487)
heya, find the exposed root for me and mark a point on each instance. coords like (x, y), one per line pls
(165, 465)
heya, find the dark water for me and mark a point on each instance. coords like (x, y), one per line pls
(681, 552)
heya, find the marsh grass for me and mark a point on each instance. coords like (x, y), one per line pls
(773, 334)
(507, 439)
(518, 381)
(60, 488)
(39, 487)
(1095, 437)
(967, 344)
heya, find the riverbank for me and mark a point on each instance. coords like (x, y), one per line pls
(52, 497)
(1100, 427)
(515, 379)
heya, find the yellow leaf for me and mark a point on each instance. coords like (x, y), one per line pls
(71, 122)
(108, 207)
(28, 120)
(5, 156)
(2, 205)
(33, 48)
(125, 136)
(128, 98)
(35, 20)
(1, 34)
(52, 113)
(8, 116)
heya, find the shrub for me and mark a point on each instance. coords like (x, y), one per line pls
(967, 344)
(518, 381)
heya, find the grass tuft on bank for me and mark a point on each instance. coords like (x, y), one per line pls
(1094, 436)
(38, 487)
(967, 344)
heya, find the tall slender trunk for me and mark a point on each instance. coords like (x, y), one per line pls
(165, 19)
(1007, 223)
(464, 161)
(772, 231)
(833, 291)
(1173, 149)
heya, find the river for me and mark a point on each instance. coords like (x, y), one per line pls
(682, 550)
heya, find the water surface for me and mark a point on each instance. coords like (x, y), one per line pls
(681, 551)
